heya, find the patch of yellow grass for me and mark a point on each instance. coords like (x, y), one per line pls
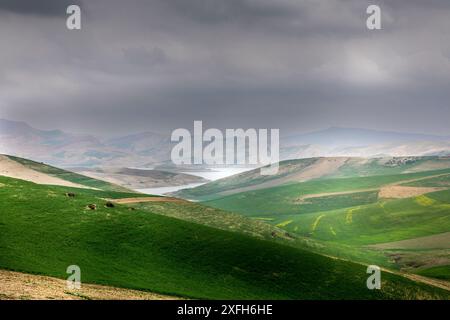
(349, 216)
(332, 231)
(424, 201)
(284, 223)
(316, 222)
(444, 206)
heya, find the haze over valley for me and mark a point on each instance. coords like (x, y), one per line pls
(150, 150)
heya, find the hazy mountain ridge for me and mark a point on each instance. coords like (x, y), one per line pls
(148, 149)
(358, 137)
(63, 149)
(356, 142)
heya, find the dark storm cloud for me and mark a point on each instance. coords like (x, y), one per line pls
(293, 18)
(37, 7)
(160, 64)
(221, 11)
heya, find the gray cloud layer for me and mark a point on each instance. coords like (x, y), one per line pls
(290, 64)
(40, 7)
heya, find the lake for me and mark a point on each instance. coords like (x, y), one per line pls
(211, 175)
(164, 190)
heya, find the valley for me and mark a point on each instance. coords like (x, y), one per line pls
(394, 213)
(248, 152)
(267, 243)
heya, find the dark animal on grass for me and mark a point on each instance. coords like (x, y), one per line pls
(92, 206)
(109, 204)
(70, 194)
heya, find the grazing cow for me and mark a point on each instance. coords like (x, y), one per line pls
(70, 194)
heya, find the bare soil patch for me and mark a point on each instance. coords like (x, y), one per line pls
(322, 167)
(12, 169)
(302, 199)
(146, 199)
(23, 286)
(400, 192)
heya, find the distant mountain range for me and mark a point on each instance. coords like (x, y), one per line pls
(351, 137)
(355, 142)
(65, 149)
(150, 149)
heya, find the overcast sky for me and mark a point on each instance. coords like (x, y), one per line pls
(155, 65)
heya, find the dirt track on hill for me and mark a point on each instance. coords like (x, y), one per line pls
(146, 199)
(430, 281)
(302, 199)
(400, 192)
(23, 286)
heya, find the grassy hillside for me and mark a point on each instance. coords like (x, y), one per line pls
(68, 175)
(439, 182)
(287, 199)
(383, 221)
(345, 217)
(388, 166)
(43, 231)
(302, 170)
(213, 217)
(440, 272)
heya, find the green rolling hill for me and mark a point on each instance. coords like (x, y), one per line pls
(303, 170)
(329, 194)
(354, 218)
(42, 231)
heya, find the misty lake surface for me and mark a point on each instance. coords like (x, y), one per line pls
(217, 173)
(214, 174)
(164, 190)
